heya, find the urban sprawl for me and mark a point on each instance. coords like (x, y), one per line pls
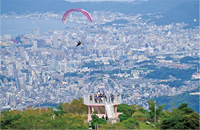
(119, 54)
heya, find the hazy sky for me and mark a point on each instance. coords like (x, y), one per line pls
(103, 0)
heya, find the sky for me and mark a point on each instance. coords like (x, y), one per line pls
(104, 0)
(80, 0)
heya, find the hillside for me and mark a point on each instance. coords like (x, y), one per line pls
(171, 102)
(172, 10)
(185, 11)
(74, 115)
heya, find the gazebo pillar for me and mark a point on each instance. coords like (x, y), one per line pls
(92, 105)
(89, 111)
(115, 107)
(92, 109)
(98, 110)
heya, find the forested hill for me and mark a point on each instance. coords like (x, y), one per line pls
(172, 10)
(171, 102)
(74, 115)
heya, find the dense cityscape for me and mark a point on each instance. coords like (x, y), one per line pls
(119, 54)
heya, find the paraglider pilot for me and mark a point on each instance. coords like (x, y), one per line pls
(79, 43)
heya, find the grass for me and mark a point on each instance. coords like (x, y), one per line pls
(143, 125)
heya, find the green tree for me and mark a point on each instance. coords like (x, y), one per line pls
(101, 121)
(130, 110)
(59, 110)
(94, 121)
(77, 106)
(175, 120)
(180, 118)
(141, 109)
(184, 107)
(97, 121)
(139, 116)
(66, 107)
(122, 107)
(75, 121)
(119, 126)
(159, 111)
(60, 122)
(34, 119)
(131, 123)
(122, 117)
(8, 118)
(152, 106)
(192, 121)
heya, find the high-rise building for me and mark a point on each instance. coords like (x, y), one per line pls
(36, 32)
(12, 100)
(34, 47)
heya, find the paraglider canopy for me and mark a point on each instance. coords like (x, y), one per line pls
(67, 13)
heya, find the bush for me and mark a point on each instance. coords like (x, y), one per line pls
(97, 121)
(139, 116)
(131, 123)
(122, 117)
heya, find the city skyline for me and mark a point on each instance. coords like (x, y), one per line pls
(37, 68)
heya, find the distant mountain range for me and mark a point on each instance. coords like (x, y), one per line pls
(173, 11)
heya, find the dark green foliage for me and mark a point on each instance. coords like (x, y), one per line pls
(95, 118)
(97, 121)
(9, 119)
(101, 121)
(122, 117)
(182, 117)
(184, 107)
(151, 104)
(174, 121)
(129, 111)
(141, 109)
(59, 110)
(122, 107)
(192, 121)
(68, 117)
(159, 109)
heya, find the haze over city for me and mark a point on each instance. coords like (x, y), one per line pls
(131, 48)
